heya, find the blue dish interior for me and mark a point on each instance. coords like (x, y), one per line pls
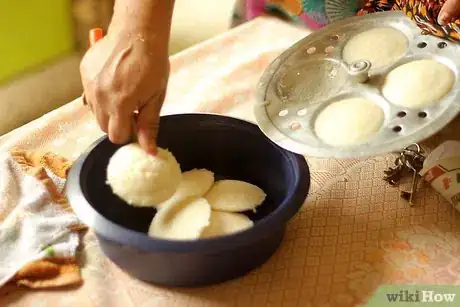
(231, 148)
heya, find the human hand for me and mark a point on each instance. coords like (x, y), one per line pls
(450, 11)
(123, 73)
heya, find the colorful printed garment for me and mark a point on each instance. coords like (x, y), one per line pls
(313, 13)
(318, 13)
(423, 12)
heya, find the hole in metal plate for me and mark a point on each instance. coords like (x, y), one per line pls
(302, 112)
(442, 45)
(329, 49)
(397, 129)
(311, 50)
(296, 126)
(422, 114)
(422, 45)
(283, 113)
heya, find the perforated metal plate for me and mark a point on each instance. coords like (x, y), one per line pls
(312, 74)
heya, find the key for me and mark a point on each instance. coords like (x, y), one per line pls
(413, 160)
(409, 158)
(415, 167)
(414, 147)
(394, 175)
(416, 158)
(413, 188)
(413, 157)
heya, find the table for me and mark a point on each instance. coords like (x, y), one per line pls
(353, 234)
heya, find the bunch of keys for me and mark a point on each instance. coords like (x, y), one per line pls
(410, 160)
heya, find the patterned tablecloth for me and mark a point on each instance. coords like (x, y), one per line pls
(353, 234)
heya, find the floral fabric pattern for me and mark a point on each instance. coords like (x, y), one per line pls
(315, 10)
(313, 13)
(310, 12)
(423, 12)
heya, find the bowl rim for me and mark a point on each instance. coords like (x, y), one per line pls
(111, 231)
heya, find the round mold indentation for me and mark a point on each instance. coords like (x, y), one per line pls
(313, 80)
(348, 120)
(392, 45)
(407, 79)
(401, 114)
(397, 129)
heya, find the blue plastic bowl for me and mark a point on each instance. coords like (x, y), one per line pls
(229, 147)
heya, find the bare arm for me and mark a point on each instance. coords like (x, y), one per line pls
(146, 19)
(128, 70)
(450, 12)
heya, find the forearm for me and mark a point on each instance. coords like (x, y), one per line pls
(148, 20)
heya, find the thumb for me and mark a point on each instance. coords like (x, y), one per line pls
(148, 124)
(449, 11)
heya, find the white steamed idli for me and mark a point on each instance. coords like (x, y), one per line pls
(348, 122)
(193, 183)
(418, 84)
(141, 179)
(183, 220)
(226, 223)
(234, 196)
(380, 46)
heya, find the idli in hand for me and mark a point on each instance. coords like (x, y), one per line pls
(141, 179)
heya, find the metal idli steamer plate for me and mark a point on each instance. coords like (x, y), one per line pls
(312, 74)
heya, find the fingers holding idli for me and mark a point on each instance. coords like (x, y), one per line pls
(140, 179)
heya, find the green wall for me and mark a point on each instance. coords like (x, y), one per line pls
(33, 32)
